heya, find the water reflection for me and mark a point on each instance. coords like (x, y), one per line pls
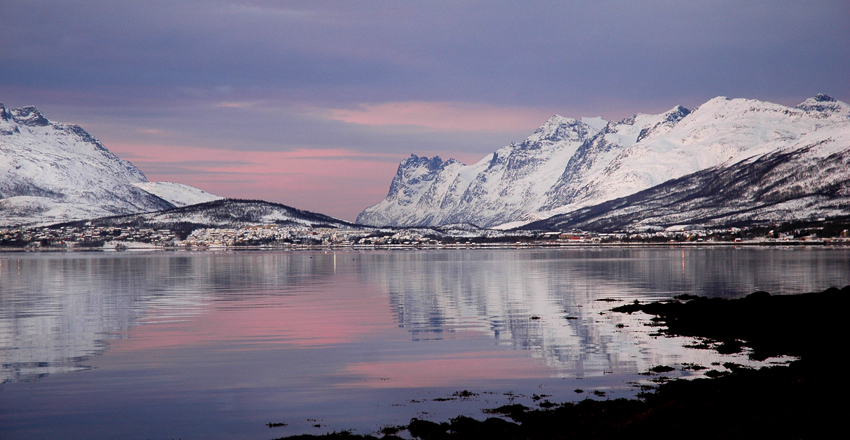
(57, 310)
(555, 303)
(218, 344)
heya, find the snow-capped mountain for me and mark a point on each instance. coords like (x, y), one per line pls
(501, 187)
(805, 183)
(52, 172)
(224, 213)
(567, 165)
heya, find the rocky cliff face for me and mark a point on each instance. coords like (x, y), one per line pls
(501, 187)
(805, 183)
(568, 165)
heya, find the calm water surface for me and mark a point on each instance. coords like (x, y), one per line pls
(216, 345)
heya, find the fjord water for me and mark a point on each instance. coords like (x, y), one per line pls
(187, 345)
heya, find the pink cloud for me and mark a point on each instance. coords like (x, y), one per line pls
(151, 131)
(234, 104)
(444, 116)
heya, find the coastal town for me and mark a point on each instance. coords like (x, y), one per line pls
(299, 237)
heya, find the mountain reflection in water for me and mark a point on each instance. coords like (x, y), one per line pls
(289, 334)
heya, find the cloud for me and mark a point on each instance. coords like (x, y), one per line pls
(455, 78)
(234, 104)
(452, 116)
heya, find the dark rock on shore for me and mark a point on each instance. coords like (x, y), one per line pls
(781, 402)
(805, 325)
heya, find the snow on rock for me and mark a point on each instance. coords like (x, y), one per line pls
(499, 188)
(596, 123)
(826, 105)
(177, 194)
(225, 213)
(52, 172)
(567, 165)
(806, 181)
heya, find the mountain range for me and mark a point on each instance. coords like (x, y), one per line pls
(728, 161)
(221, 213)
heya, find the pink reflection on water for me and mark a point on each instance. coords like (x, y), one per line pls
(303, 321)
(458, 369)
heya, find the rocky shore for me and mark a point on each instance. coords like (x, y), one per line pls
(799, 400)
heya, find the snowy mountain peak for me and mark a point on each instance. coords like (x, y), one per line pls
(557, 129)
(665, 121)
(52, 172)
(513, 179)
(826, 104)
(555, 121)
(567, 165)
(29, 116)
(674, 115)
(432, 164)
(678, 112)
(823, 97)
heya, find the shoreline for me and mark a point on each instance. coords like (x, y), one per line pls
(790, 401)
(145, 247)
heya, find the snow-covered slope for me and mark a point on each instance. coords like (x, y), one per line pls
(501, 187)
(718, 133)
(177, 194)
(807, 181)
(588, 171)
(52, 172)
(567, 165)
(225, 213)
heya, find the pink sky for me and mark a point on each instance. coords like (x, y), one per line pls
(315, 180)
(450, 78)
(339, 182)
(450, 116)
